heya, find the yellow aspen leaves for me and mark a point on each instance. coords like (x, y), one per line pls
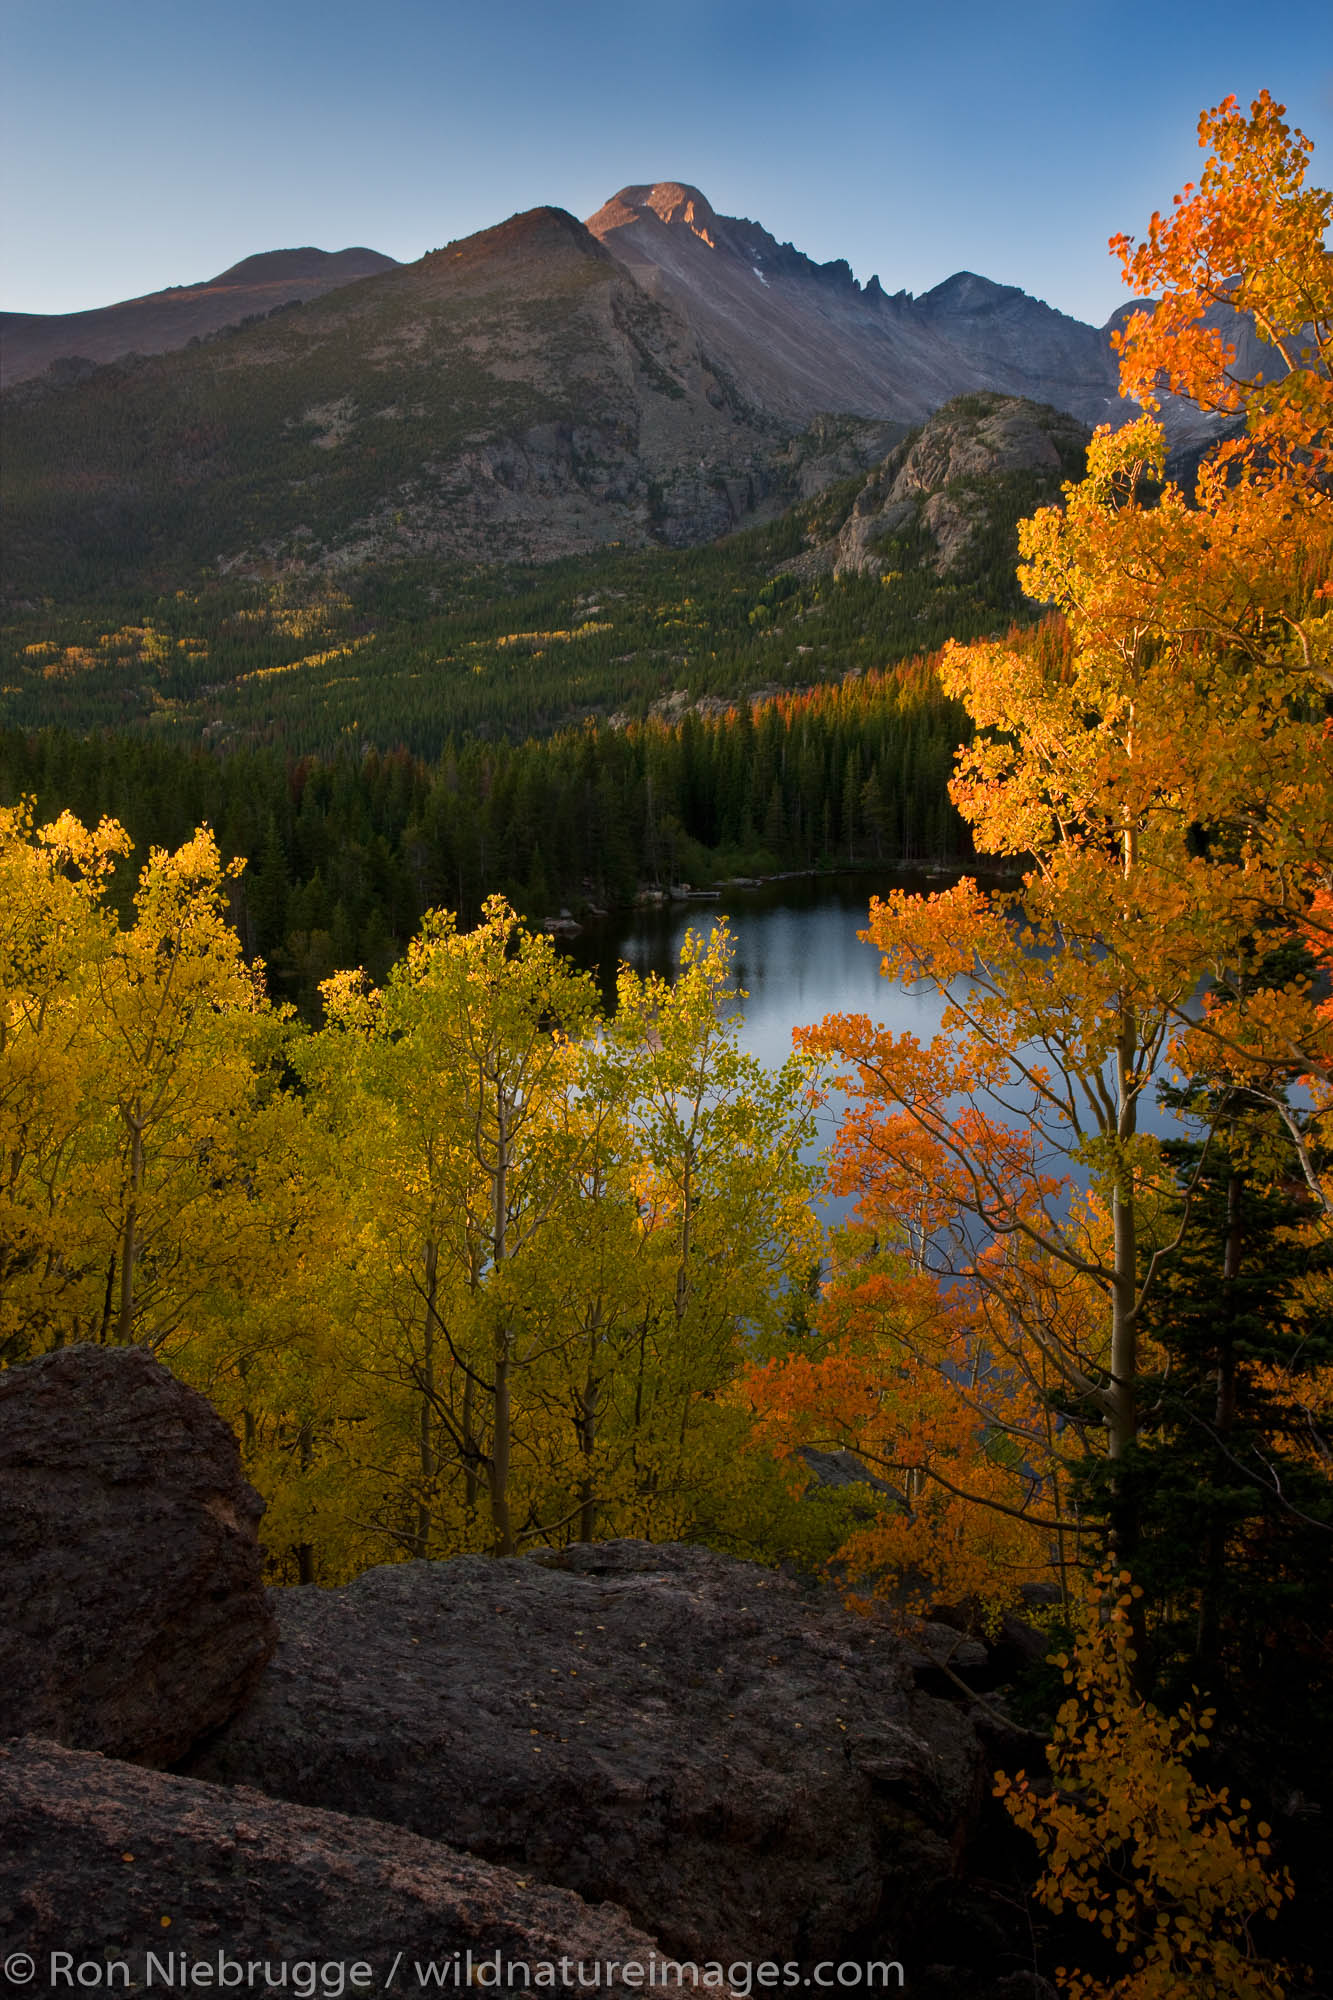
(1166, 1869)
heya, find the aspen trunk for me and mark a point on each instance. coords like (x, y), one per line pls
(502, 1531)
(426, 1407)
(471, 1454)
(305, 1551)
(1122, 1400)
(1224, 1418)
(588, 1442)
(129, 1236)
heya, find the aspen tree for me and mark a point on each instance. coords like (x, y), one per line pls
(1158, 763)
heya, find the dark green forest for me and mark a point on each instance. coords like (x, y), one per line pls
(569, 734)
(413, 655)
(347, 850)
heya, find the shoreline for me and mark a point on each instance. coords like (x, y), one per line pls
(567, 925)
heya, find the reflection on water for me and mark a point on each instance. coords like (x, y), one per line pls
(798, 958)
(797, 955)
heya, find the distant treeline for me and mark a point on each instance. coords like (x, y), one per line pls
(346, 851)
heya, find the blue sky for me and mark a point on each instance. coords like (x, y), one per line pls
(154, 142)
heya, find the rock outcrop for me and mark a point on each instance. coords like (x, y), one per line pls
(107, 1862)
(748, 1768)
(132, 1615)
(954, 491)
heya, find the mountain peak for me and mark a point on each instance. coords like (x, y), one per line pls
(805, 337)
(966, 292)
(674, 203)
(273, 267)
(534, 232)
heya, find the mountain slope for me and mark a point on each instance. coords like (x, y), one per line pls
(513, 394)
(540, 389)
(806, 337)
(923, 546)
(1005, 340)
(161, 321)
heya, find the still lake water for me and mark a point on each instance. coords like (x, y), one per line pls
(798, 958)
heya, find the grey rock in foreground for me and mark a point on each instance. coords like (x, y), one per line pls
(106, 1861)
(132, 1615)
(747, 1768)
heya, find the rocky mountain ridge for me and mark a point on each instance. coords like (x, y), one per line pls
(804, 337)
(540, 389)
(159, 322)
(798, 336)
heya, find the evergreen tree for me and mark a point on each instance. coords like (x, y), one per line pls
(1231, 1494)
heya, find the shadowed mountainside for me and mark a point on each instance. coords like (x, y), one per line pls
(805, 337)
(539, 390)
(161, 321)
(515, 394)
(923, 538)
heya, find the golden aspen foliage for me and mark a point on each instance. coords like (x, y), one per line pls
(560, 1239)
(1156, 760)
(53, 930)
(1250, 239)
(199, 1169)
(1169, 1871)
(445, 1094)
(153, 1192)
(971, 1501)
(487, 1278)
(723, 1184)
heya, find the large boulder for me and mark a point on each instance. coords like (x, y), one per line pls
(107, 1862)
(747, 1767)
(132, 1615)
